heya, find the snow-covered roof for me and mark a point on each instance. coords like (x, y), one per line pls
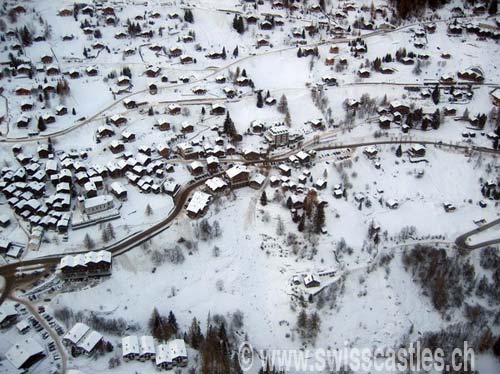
(97, 201)
(177, 348)
(236, 170)
(130, 345)
(147, 345)
(496, 94)
(77, 332)
(89, 342)
(258, 178)
(6, 310)
(215, 183)
(163, 354)
(198, 202)
(117, 187)
(23, 350)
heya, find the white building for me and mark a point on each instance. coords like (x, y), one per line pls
(24, 353)
(98, 204)
(277, 135)
(147, 348)
(198, 204)
(130, 347)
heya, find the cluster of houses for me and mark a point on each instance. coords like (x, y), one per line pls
(82, 339)
(237, 176)
(90, 264)
(165, 356)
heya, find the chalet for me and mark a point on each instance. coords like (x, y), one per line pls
(124, 35)
(242, 81)
(385, 122)
(130, 348)
(187, 127)
(65, 12)
(105, 131)
(123, 80)
(129, 103)
(116, 146)
(217, 109)
(187, 151)
(146, 348)
(392, 204)
(363, 73)
(118, 120)
(303, 157)
(47, 59)
(61, 110)
(370, 151)
(238, 176)
(257, 181)
(68, 37)
(23, 122)
(187, 39)
(75, 334)
(212, 164)
(449, 207)
(330, 61)
(230, 92)
(311, 280)
(396, 106)
(195, 168)
(329, 81)
(198, 205)
(153, 71)
(174, 109)
(266, 25)
(417, 150)
(48, 118)
(257, 126)
(186, 59)
(216, 185)
(250, 154)
(447, 79)
(495, 97)
(178, 352)
(128, 136)
(387, 70)
(220, 79)
(22, 91)
(472, 74)
(252, 19)
(407, 60)
(27, 106)
(270, 101)
(153, 89)
(261, 42)
(199, 90)
(24, 69)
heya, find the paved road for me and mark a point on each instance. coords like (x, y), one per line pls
(215, 71)
(9, 271)
(461, 241)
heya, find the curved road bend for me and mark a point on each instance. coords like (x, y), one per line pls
(9, 271)
(461, 241)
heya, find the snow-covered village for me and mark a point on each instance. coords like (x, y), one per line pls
(204, 186)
